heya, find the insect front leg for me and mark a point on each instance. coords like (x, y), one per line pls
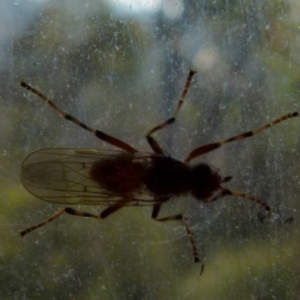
(68, 210)
(180, 218)
(210, 147)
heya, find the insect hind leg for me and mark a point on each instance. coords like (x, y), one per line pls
(68, 210)
(114, 207)
(99, 134)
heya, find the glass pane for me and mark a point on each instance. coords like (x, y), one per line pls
(120, 66)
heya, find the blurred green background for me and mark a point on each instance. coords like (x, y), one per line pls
(121, 66)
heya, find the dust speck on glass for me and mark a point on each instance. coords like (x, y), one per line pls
(120, 66)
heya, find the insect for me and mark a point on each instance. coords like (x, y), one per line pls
(127, 177)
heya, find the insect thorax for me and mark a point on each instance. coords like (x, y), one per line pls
(169, 177)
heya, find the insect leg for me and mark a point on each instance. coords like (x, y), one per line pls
(67, 210)
(210, 147)
(226, 192)
(152, 142)
(178, 217)
(99, 134)
(114, 207)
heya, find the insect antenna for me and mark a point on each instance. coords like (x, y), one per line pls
(225, 192)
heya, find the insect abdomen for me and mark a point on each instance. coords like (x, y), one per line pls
(119, 174)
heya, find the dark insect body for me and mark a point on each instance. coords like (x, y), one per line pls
(128, 177)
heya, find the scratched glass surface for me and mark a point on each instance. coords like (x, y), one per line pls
(121, 66)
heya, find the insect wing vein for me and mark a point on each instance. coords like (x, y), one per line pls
(62, 176)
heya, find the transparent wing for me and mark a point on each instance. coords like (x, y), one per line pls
(61, 176)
